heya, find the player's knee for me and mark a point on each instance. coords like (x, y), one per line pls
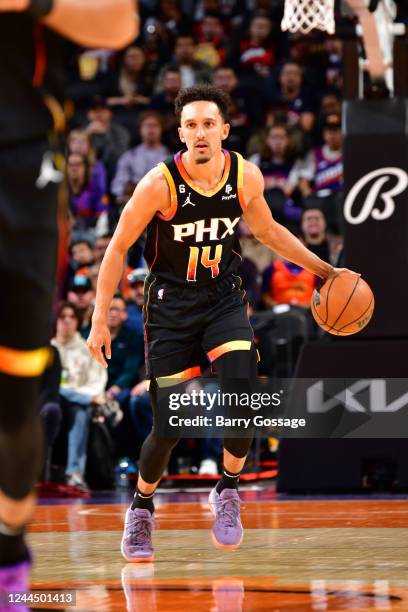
(163, 442)
(237, 364)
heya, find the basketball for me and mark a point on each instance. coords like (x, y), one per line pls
(344, 305)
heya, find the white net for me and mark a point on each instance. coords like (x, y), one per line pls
(306, 15)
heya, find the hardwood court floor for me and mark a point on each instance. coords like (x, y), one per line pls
(297, 556)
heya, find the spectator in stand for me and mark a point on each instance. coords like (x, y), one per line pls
(321, 175)
(287, 283)
(82, 384)
(292, 94)
(134, 164)
(333, 64)
(227, 9)
(163, 103)
(256, 50)
(109, 138)
(88, 265)
(330, 104)
(313, 227)
(127, 352)
(136, 280)
(87, 201)
(321, 58)
(82, 254)
(81, 294)
(211, 41)
(252, 249)
(134, 84)
(170, 14)
(101, 244)
(79, 141)
(133, 88)
(157, 43)
(191, 71)
(277, 163)
(245, 112)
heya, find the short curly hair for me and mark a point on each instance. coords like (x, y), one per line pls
(205, 92)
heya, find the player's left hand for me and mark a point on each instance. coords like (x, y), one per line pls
(335, 271)
(338, 270)
(14, 5)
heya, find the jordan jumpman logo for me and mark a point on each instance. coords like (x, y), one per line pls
(188, 201)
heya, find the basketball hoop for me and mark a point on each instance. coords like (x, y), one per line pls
(306, 15)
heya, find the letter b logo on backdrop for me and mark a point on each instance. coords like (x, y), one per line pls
(376, 208)
(381, 193)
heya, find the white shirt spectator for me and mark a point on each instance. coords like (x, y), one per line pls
(83, 378)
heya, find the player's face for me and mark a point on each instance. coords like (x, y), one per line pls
(202, 130)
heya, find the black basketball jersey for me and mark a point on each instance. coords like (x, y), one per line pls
(196, 243)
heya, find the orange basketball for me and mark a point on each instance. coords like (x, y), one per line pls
(343, 305)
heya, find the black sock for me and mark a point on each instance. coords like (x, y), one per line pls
(12, 546)
(143, 501)
(228, 480)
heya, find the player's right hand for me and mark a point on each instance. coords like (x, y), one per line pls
(14, 5)
(99, 338)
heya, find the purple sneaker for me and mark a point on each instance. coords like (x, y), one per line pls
(14, 579)
(137, 536)
(227, 532)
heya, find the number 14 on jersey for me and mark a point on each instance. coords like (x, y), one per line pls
(206, 261)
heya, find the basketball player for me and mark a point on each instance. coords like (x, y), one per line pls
(191, 205)
(31, 75)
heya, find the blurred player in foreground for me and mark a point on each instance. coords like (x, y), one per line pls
(31, 78)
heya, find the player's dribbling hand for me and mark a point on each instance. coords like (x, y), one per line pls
(14, 5)
(99, 338)
(335, 271)
(338, 270)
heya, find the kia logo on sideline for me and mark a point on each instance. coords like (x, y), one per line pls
(369, 207)
(318, 401)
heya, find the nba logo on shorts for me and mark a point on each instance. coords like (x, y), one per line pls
(160, 294)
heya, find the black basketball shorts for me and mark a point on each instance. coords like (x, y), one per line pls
(28, 247)
(187, 329)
